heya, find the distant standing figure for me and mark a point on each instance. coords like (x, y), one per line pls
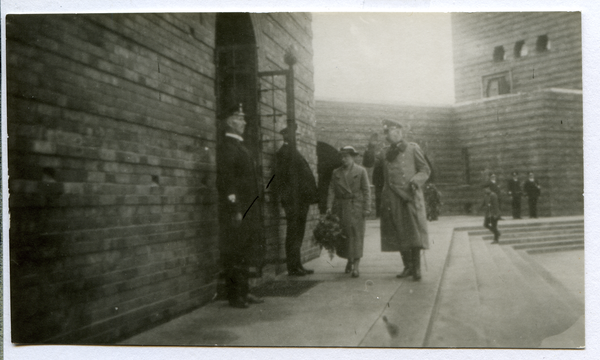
(532, 191)
(369, 161)
(492, 212)
(294, 184)
(432, 202)
(496, 190)
(240, 235)
(514, 190)
(350, 200)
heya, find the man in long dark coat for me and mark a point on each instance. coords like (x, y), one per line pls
(295, 186)
(491, 207)
(514, 190)
(403, 217)
(496, 189)
(241, 242)
(532, 190)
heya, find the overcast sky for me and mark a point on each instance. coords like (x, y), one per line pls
(383, 57)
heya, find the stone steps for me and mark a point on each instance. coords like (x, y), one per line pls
(526, 227)
(499, 296)
(543, 281)
(537, 245)
(555, 249)
(514, 233)
(536, 239)
(524, 223)
(528, 306)
(456, 320)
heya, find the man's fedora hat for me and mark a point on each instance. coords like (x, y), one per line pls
(349, 150)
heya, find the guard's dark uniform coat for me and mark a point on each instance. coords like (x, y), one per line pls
(532, 190)
(296, 188)
(514, 190)
(242, 247)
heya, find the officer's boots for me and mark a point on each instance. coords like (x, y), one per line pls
(416, 262)
(407, 261)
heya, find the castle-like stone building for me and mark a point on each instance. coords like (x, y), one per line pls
(518, 86)
(113, 125)
(113, 122)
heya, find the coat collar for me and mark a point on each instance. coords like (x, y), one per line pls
(234, 136)
(342, 180)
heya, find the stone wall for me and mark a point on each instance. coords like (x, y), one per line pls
(539, 131)
(524, 133)
(476, 35)
(277, 32)
(111, 155)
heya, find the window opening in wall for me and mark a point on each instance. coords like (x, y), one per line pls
(542, 44)
(520, 50)
(499, 53)
(496, 85)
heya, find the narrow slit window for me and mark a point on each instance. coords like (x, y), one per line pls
(542, 44)
(521, 49)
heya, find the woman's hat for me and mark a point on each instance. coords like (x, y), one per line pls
(348, 150)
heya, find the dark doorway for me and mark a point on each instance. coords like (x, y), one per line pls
(236, 62)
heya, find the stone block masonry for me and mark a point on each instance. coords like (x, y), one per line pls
(540, 131)
(112, 148)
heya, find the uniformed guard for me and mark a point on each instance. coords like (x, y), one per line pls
(532, 191)
(241, 242)
(515, 191)
(403, 217)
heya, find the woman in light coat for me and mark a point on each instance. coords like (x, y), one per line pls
(349, 199)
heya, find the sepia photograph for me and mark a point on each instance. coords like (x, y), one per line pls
(295, 179)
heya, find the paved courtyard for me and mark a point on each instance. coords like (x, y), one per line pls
(454, 304)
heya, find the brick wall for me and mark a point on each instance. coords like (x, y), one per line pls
(278, 32)
(112, 128)
(475, 35)
(503, 134)
(523, 133)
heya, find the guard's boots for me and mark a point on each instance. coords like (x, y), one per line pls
(407, 261)
(416, 262)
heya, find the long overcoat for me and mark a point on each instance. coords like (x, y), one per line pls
(239, 192)
(490, 205)
(292, 168)
(403, 213)
(349, 198)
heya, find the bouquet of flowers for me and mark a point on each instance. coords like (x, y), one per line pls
(328, 234)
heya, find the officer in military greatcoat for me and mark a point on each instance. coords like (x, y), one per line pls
(296, 188)
(241, 242)
(403, 217)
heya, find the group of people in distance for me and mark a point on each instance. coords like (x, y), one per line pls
(401, 170)
(516, 189)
